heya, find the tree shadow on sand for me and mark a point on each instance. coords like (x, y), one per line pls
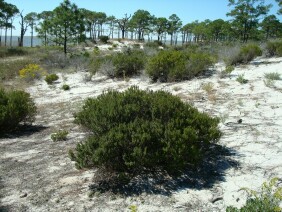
(212, 170)
(24, 130)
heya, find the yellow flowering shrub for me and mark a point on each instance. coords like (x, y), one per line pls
(31, 72)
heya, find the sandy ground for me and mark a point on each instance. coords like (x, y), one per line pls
(37, 175)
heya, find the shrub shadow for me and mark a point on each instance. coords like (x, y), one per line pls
(24, 130)
(211, 170)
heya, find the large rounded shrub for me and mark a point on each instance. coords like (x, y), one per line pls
(140, 130)
(15, 107)
(173, 65)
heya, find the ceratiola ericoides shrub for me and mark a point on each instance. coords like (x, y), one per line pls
(138, 130)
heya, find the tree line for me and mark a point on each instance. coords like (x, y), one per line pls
(249, 20)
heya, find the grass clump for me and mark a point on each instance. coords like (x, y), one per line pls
(15, 107)
(136, 131)
(267, 200)
(60, 135)
(272, 76)
(50, 78)
(241, 79)
(66, 87)
(173, 65)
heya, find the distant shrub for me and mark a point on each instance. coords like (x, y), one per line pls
(60, 135)
(274, 48)
(227, 71)
(114, 45)
(104, 39)
(7, 52)
(50, 78)
(269, 199)
(140, 130)
(15, 107)
(31, 72)
(65, 87)
(175, 65)
(128, 63)
(153, 44)
(247, 53)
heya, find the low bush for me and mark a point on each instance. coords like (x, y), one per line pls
(50, 78)
(247, 53)
(15, 107)
(104, 39)
(241, 79)
(137, 131)
(7, 52)
(128, 63)
(65, 87)
(173, 65)
(31, 72)
(269, 199)
(272, 76)
(274, 48)
(60, 135)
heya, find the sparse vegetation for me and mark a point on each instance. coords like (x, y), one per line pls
(267, 199)
(272, 76)
(241, 79)
(140, 130)
(274, 48)
(15, 107)
(31, 72)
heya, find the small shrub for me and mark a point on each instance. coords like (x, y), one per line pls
(208, 87)
(60, 135)
(272, 76)
(15, 107)
(8, 52)
(140, 130)
(269, 83)
(31, 72)
(153, 44)
(172, 65)
(128, 63)
(247, 53)
(227, 71)
(104, 39)
(267, 200)
(50, 78)
(241, 79)
(274, 48)
(65, 87)
(114, 45)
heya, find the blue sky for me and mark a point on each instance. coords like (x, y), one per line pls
(187, 10)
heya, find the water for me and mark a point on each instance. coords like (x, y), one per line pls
(26, 41)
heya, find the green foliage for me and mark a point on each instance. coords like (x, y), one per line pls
(65, 87)
(128, 63)
(175, 65)
(15, 107)
(8, 52)
(267, 200)
(247, 53)
(104, 39)
(50, 78)
(274, 48)
(241, 79)
(140, 130)
(31, 72)
(272, 76)
(60, 135)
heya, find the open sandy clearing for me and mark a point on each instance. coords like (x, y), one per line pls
(37, 175)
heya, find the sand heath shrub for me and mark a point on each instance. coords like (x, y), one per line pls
(50, 78)
(136, 130)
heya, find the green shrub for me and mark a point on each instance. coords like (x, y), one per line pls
(267, 200)
(247, 53)
(140, 130)
(60, 135)
(65, 87)
(128, 63)
(104, 39)
(15, 107)
(274, 48)
(50, 78)
(175, 65)
(7, 52)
